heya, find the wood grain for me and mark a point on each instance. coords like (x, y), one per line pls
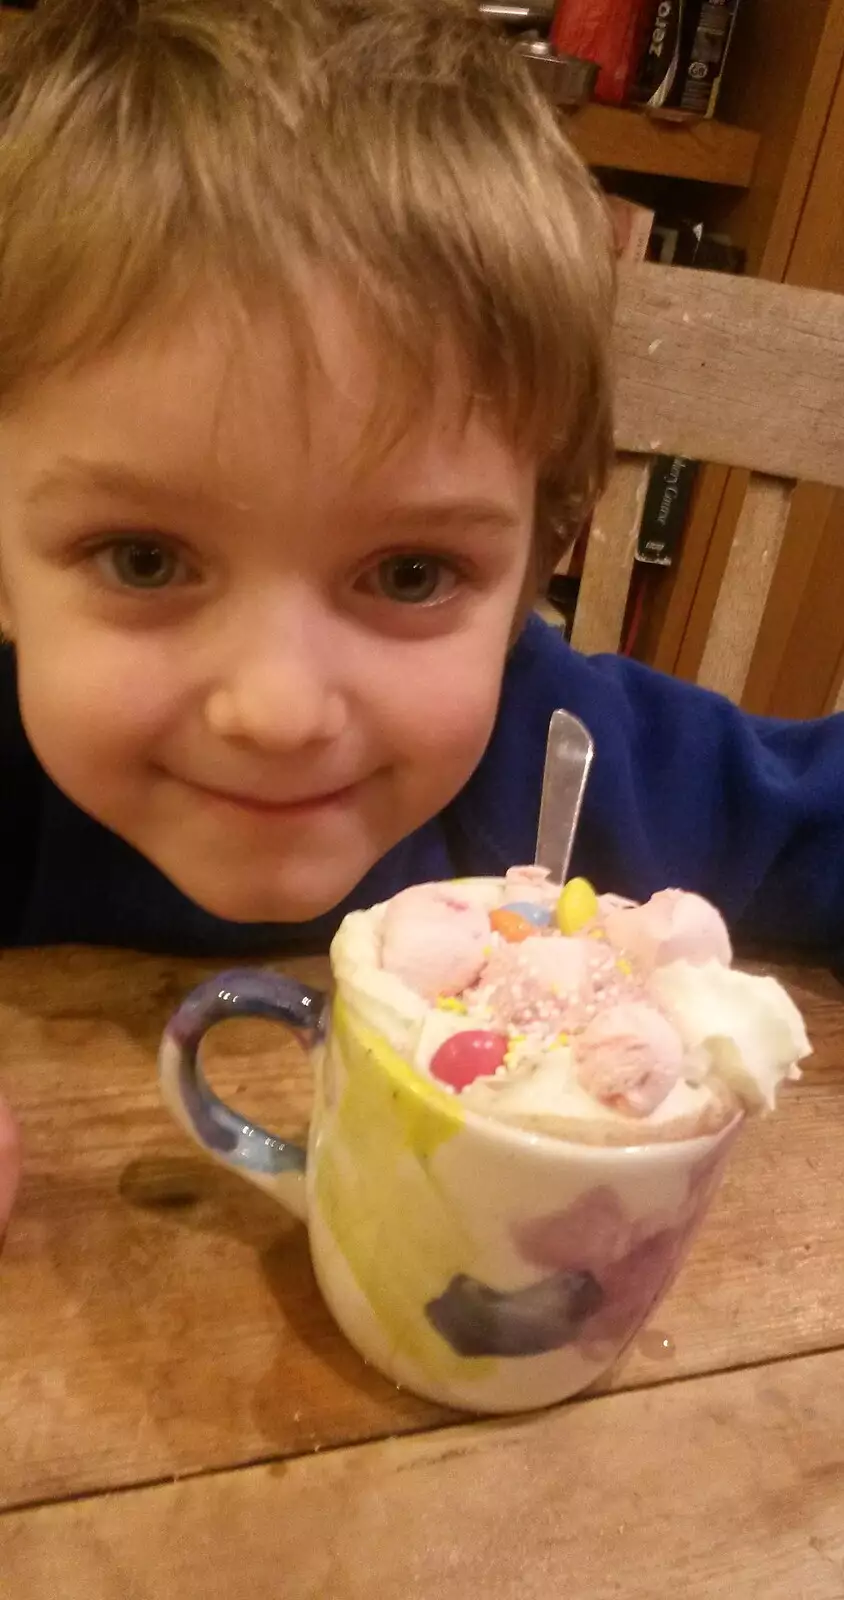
(804, 672)
(664, 622)
(744, 592)
(799, 671)
(725, 370)
(813, 513)
(160, 1317)
(791, 232)
(710, 152)
(731, 370)
(608, 563)
(788, 111)
(723, 1488)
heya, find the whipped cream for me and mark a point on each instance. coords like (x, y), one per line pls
(595, 1020)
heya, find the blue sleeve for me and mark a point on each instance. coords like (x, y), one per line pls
(686, 791)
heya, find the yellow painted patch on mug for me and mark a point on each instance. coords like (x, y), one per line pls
(402, 1237)
(381, 1084)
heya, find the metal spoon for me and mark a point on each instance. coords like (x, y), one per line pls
(568, 757)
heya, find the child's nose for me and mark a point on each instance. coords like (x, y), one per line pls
(279, 694)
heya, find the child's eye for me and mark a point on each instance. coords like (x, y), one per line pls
(142, 564)
(411, 580)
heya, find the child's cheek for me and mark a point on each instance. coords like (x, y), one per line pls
(454, 697)
(93, 701)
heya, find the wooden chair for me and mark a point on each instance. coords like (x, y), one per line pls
(721, 369)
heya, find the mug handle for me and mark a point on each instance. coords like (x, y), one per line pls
(274, 1164)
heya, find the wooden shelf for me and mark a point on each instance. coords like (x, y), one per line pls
(711, 152)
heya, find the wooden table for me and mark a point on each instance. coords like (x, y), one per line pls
(180, 1420)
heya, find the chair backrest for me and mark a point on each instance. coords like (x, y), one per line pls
(720, 369)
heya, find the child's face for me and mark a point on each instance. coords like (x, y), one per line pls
(258, 655)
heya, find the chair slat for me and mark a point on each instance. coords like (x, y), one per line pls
(731, 370)
(736, 371)
(744, 588)
(609, 558)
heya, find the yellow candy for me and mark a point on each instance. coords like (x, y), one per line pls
(577, 906)
(450, 1004)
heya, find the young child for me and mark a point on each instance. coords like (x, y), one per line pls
(304, 311)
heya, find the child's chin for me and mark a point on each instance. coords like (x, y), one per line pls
(293, 898)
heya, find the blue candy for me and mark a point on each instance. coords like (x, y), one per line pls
(540, 916)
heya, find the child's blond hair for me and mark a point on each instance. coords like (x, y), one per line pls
(152, 147)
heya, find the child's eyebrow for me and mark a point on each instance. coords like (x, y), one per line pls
(118, 480)
(452, 516)
(121, 481)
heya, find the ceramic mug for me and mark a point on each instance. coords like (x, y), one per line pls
(485, 1267)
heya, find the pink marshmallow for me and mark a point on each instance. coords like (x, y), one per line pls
(672, 926)
(630, 1057)
(435, 939)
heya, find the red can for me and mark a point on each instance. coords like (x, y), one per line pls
(609, 32)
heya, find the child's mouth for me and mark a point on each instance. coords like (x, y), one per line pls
(258, 805)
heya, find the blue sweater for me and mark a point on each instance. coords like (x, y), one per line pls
(685, 791)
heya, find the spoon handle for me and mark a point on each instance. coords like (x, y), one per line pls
(568, 757)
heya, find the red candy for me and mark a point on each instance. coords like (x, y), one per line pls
(474, 1053)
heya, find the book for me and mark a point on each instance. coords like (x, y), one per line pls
(682, 61)
(632, 227)
(667, 499)
(700, 78)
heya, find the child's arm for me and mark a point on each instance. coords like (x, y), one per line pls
(686, 791)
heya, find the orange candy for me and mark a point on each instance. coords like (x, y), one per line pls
(511, 926)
